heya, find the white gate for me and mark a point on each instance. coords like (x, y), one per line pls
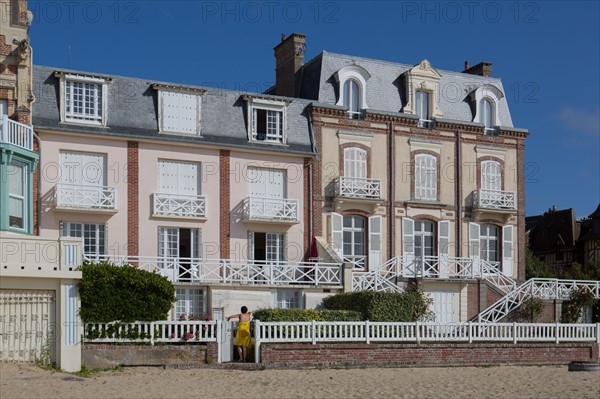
(443, 306)
(27, 325)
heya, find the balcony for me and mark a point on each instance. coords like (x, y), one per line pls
(87, 198)
(177, 205)
(259, 209)
(229, 271)
(350, 187)
(15, 133)
(493, 203)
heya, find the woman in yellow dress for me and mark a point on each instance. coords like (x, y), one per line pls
(243, 339)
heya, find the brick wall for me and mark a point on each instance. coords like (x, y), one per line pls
(406, 355)
(109, 356)
(133, 213)
(472, 301)
(224, 209)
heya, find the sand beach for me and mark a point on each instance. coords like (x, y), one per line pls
(28, 381)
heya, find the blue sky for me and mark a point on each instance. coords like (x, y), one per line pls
(546, 52)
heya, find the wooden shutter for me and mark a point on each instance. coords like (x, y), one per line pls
(375, 259)
(408, 240)
(355, 163)
(474, 247)
(250, 245)
(443, 243)
(425, 177)
(274, 183)
(507, 250)
(178, 177)
(82, 168)
(180, 112)
(337, 235)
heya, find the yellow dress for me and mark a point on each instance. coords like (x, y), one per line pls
(243, 337)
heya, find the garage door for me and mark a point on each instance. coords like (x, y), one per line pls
(443, 306)
(27, 325)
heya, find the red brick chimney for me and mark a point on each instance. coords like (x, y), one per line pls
(289, 58)
(481, 69)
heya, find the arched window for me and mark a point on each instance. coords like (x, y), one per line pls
(424, 238)
(489, 243)
(352, 98)
(491, 176)
(354, 240)
(425, 177)
(355, 163)
(486, 114)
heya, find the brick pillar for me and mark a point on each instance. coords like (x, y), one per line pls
(36, 191)
(316, 196)
(521, 241)
(133, 213)
(307, 198)
(225, 205)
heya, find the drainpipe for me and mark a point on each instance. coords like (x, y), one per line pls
(458, 218)
(313, 147)
(392, 193)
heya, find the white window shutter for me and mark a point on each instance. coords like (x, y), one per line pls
(507, 250)
(491, 178)
(375, 242)
(474, 247)
(337, 236)
(408, 244)
(443, 243)
(250, 245)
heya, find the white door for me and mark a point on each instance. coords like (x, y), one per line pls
(443, 306)
(27, 325)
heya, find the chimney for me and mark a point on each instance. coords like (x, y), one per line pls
(481, 69)
(289, 58)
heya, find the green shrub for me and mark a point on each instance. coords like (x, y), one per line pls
(529, 311)
(572, 310)
(412, 305)
(110, 293)
(305, 315)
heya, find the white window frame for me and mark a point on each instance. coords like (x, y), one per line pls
(3, 109)
(189, 301)
(67, 228)
(23, 198)
(493, 95)
(491, 175)
(352, 230)
(355, 163)
(288, 299)
(272, 109)
(360, 76)
(425, 121)
(419, 232)
(353, 106)
(99, 115)
(162, 128)
(426, 177)
(484, 243)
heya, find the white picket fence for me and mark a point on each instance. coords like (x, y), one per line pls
(151, 331)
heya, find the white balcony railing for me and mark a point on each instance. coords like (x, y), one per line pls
(357, 188)
(15, 133)
(492, 199)
(359, 262)
(271, 209)
(179, 205)
(85, 197)
(199, 270)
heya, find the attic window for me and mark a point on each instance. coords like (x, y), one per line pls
(352, 82)
(83, 98)
(486, 99)
(267, 120)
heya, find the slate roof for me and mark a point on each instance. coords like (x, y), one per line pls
(555, 229)
(133, 112)
(386, 88)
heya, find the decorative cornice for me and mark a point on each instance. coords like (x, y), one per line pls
(173, 87)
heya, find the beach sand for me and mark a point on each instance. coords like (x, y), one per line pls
(28, 381)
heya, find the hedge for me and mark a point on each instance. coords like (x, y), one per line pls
(305, 315)
(123, 293)
(408, 306)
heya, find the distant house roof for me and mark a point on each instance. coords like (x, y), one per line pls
(133, 113)
(590, 226)
(555, 229)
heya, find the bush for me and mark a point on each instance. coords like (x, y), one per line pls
(109, 293)
(305, 315)
(408, 306)
(529, 311)
(572, 310)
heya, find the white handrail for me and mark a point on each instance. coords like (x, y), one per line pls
(152, 331)
(274, 209)
(352, 187)
(16, 133)
(179, 205)
(494, 199)
(85, 196)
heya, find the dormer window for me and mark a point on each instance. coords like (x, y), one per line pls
(486, 99)
(83, 98)
(351, 98)
(352, 82)
(267, 120)
(486, 114)
(422, 108)
(179, 109)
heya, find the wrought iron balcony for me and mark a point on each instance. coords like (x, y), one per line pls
(179, 205)
(492, 199)
(271, 209)
(15, 133)
(351, 187)
(75, 196)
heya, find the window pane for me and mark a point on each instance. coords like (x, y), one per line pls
(354, 92)
(16, 179)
